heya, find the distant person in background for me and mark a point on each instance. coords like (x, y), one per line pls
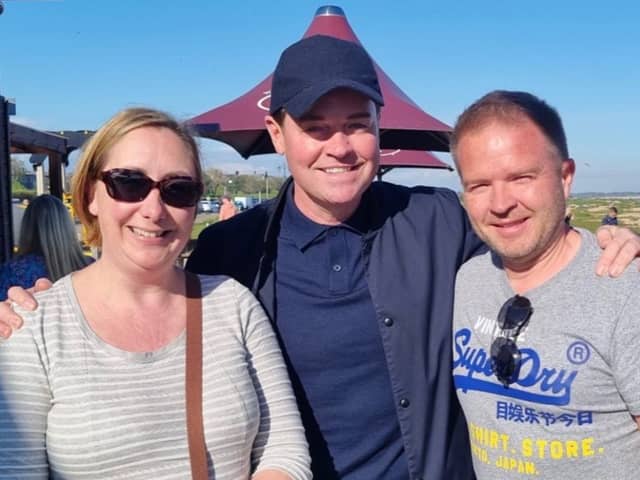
(48, 246)
(612, 217)
(227, 209)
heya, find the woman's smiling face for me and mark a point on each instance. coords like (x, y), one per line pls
(147, 235)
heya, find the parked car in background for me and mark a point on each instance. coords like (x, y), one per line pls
(204, 206)
(207, 205)
(245, 202)
(215, 206)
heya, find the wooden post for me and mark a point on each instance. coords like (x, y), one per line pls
(6, 212)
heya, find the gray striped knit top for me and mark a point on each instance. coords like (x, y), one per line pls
(75, 407)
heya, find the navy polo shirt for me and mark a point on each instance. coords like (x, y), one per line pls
(326, 323)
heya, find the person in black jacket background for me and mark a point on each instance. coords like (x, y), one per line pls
(612, 217)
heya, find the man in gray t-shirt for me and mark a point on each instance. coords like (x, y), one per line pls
(545, 357)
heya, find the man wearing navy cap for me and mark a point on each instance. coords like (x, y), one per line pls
(357, 277)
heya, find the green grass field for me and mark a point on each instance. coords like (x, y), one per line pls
(588, 212)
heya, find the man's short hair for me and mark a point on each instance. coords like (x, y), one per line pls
(512, 106)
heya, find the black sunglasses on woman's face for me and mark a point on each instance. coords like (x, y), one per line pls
(125, 185)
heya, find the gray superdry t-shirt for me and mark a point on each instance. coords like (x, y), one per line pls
(569, 415)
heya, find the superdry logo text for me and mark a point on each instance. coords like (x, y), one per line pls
(549, 386)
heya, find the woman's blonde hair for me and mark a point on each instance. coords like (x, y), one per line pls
(93, 158)
(47, 230)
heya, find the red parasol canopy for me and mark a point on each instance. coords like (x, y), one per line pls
(390, 159)
(411, 158)
(403, 125)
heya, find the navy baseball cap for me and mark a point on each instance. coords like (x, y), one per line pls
(314, 66)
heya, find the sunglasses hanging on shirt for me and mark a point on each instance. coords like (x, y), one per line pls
(505, 354)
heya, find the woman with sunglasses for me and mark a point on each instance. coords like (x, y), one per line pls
(94, 386)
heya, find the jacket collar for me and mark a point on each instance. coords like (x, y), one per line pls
(375, 208)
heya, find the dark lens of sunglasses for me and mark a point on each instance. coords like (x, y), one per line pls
(514, 313)
(180, 192)
(128, 188)
(505, 360)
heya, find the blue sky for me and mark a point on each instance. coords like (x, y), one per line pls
(71, 64)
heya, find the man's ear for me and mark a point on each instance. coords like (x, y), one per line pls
(568, 172)
(276, 134)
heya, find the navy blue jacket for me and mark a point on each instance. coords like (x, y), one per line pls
(417, 239)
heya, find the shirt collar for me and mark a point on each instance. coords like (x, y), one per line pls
(303, 231)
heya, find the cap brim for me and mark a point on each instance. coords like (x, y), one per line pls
(302, 103)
